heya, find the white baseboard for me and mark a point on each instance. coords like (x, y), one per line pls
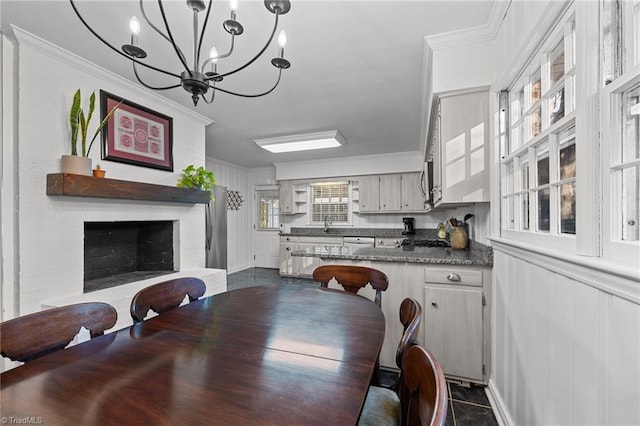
(497, 405)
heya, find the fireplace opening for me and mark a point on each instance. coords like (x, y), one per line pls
(117, 253)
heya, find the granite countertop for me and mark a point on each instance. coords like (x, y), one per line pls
(477, 255)
(359, 232)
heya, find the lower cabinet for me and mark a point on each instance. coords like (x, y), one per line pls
(297, 266)
(455, 326)
(456, 320)
(453, 329)
(287, 246)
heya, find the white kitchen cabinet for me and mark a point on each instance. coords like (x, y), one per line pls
(390, 192)
(293, 197)
(395, 192)
(456, 321)
(369, 193)
(288, 245)
(460, 149)
(297, 266)
(412, 197)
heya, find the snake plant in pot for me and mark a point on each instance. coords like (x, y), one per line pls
(79, 122)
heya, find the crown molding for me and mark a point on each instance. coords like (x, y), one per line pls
(26, 39)
(481, 33)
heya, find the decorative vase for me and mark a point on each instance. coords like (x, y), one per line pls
(459, 238)
(76, 165)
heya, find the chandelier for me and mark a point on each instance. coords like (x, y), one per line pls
(203, 74)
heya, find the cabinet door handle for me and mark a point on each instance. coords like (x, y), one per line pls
(453, 277)
(434, 304)
(288, 248)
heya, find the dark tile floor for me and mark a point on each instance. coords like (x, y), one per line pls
(467, 405)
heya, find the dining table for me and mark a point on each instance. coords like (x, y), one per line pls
(291, 354)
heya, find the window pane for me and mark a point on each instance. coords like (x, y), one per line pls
(525, 211)
(330, 200)
(557, 62)
(536, 89)
(543, 171)
(544, 220)
(631, 141)
(568, 208)
(611, 42)
(268, 209)
(535, 123)
(556, 106)
(524, 173)
(568, 162)
(630, 203)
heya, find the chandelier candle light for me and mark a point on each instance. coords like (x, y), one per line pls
(196, 79)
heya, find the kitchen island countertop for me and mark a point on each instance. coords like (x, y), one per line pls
(478, 254)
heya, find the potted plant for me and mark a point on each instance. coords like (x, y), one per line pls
(98, 172)
(199, 178)
(79, 122)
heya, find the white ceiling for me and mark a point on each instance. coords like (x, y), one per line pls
(356, 66)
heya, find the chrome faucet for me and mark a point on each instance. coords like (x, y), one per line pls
(327, 222)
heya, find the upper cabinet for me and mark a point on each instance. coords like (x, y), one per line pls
(459, 149)
(293, 197)
(396, 192)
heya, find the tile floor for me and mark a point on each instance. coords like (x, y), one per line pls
(467, 405)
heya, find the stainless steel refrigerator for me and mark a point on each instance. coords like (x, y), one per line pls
(216, 228)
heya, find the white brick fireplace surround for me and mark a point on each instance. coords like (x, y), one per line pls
(42, 236)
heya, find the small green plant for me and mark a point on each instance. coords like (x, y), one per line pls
(200, 178)
(79, 122)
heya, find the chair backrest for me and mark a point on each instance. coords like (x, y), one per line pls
(31, 336)
(353, 278)
(165, 296)
(423, 393)
(410, 318)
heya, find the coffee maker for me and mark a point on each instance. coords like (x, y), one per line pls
(409, 226)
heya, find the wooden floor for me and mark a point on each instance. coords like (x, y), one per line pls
(468, 406)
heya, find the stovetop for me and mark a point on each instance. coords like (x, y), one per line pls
(421, 242)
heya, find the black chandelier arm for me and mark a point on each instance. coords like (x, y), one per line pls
(173, 43)
(251, 96)
(213, 95)
(275, 27)
(204, 26)
(106, 43)
(135, 71)
(156, 29)
(209, 60)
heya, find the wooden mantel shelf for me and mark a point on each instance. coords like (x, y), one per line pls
(89, 186)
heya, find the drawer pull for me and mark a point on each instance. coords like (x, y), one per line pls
(434, 304)
(453, 277)
(288, 248)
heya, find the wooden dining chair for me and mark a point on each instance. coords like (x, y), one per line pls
(353, 278)
(410, 318)
(165, 296)
(423, 395)
(31, 336)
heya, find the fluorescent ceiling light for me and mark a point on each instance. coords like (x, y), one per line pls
(304, 142)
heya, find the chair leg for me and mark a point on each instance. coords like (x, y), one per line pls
(375, 376)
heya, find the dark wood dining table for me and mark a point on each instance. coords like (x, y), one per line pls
(287, 355)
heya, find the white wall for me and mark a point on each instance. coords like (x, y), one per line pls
(46, 239)
(565, 352)
(240, 236)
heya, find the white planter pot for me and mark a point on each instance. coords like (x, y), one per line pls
(76, 165)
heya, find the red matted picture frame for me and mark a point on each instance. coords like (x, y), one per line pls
(135, 134)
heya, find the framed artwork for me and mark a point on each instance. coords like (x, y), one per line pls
(135, 134)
